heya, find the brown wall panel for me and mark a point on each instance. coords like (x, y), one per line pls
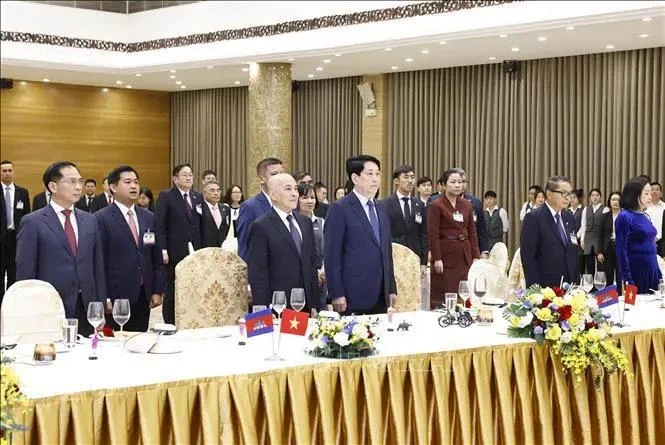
(42, 122)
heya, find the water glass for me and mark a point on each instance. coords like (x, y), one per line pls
(599, 280)
(661, 288)
(278, 301)
(587, 282)
(463, 290)
(259, 308)
(451, 301)
(480, 287)
(70, 328)
(121, 311)
(297, 299)
(95, 314)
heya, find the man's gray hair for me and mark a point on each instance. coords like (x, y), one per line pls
(554, 181)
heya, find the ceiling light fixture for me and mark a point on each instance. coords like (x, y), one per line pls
(542, 38)
(409, 60)
(209, 67)
(326, 60)
(319, 68)
(244, 70)
(178, 82)
(183, 86)
(610, 46)
(503, 36)
(516, 49)
(425, 51)
(138, 74)
(291, 59)
(172, 77)
(443, 43)
(389, 49)
(310, 75)
(492, 58)
(570, 28)
(644, 36)
(237, 82)
(23, 82)
(338, 54)
(393, 67)
(128, 86)
(646, 19)
(172, 71)
(119, 82)
(105, 90)
(45, 80)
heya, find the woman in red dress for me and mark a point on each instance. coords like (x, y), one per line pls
(452, 238)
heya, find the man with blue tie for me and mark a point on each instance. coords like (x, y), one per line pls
(357, 244)
(258, 205)
(61, 245)
(134, 268)
(548, 244)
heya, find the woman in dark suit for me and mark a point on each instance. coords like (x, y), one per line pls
(607, 254)
(233, 198)
(307, 202)
(452, 238)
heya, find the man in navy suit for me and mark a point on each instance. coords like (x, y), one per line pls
(134, 268)
(281, 248)
(103, 199)
(357, 245)
(61, 245)
(258, 205)
(178, 217)
(548, 244)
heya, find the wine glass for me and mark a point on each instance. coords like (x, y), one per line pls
(599, 280)
(95, 314)
(298, 299)
(463, 290)
(480, 287)
(451, 301)
(587, 282)
(661, 288)
(278, 305)
(121, 312)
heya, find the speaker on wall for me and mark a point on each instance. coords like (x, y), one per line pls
(6, 84)
(365, 90)
(511, 66)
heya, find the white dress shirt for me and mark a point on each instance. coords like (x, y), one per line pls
(363, 202)
(282, 215)
(61, 217)
(189, 196)
(124, 211)
(401, 202)
(12, 196)
(523, 211)
(554, 214)
(503, 215)
(580, 234)
(655, 212)
(267, 197)
(219, 212)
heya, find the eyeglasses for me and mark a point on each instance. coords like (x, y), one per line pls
(73, 181)
(563, 193)
(186, 175)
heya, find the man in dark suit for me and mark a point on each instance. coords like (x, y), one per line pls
(321, 192)
(15, 203)
(85, 203)
(215, 218)
(357, 246)
(134, 268)
(258, 205)
(408, 220)
(61, 245)
(281, 249)
(41, 200)
(103, 199)
(548, 244)
(178, 216)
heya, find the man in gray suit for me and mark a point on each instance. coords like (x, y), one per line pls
(61, 245)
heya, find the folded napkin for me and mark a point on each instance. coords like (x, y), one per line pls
(329, 314)
(142, 343)
(493, 301)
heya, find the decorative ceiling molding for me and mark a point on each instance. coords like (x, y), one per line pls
(356, 18)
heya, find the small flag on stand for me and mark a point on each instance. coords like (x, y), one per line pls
(259, 323)
(630, 294)
(607, 296)
(294, 322)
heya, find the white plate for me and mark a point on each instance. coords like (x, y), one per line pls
(166, 347)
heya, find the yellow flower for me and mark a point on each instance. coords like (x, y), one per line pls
(558, 301)
(593, 335)
(535, 298)
(544, 314)
(553, 332)
(514, 321)
(574, 320)
(548, 293)
(578, 302)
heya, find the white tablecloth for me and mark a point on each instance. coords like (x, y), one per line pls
(206, 355)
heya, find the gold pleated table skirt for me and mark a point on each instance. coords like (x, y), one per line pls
(513, 394)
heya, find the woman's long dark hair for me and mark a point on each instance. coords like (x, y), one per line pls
(630, 196)
(148, 193)
(303, 190)
(227, 196)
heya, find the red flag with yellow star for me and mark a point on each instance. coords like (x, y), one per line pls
(294, 322)
(630, 295)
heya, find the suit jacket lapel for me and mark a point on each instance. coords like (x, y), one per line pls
(553, 226)
(265, 204)
(283, 231)
(357, 208)
(397, 207)
(123, 222)
(53, 223)
(181, 201)
(83, 238)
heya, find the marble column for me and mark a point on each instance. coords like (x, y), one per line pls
(269, 118)
(375, 131)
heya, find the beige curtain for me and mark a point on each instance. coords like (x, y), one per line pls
(598, 118)
(327, 125)
(209, 130)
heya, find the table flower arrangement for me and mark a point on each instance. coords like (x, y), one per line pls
(11, 401)
(572, 325)
(343, 338)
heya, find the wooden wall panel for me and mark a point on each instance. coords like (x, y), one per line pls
(41, 123)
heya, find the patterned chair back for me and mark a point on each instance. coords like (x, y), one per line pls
(407, 276)
(210, 289)
(515, 277)
(33, 311)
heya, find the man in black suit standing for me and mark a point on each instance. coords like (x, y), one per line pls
(408, 220)
(41, 200)
(15, 203)
(548, 244)
(215, 218)
(85, 203)
(281, 249)
(103, 199)
(178, 216)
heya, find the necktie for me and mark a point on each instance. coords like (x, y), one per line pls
(188, 207)
(373, 220)
(216, 216)
(89, 201)
(69, 231)
(407, 209)
(110, 199)
(562, 232)
(295, 235)
(9, 206)
(132, 226)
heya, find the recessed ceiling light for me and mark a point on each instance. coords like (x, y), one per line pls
(45, 80)
(178, 82)
(425, 51)
(644, 36)
(209, 67)
(138, 74)
(516, 49)
(128, 86)
(105, 90)
(290, 59)
(172, 77)
(326, 60)
(389, 49)
(172, 71)
(492, 58)
(610, 46)
(393, 67)
(119, 82)
(646, 19)
(183, 86)
(409, 60)
(443, 43)
(338, 54)
(503, 36)
(542, 38)
(23, 82)
(310, 75)
(319, 68)
(244, 70)
(570, 28)
(237, 82)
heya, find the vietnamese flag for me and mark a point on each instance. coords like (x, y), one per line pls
(294, 322)
(630, 294)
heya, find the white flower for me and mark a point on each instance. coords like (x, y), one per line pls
(360, 331)
(566, 337)
(568, 298)
(603, 333)
(318, 343)
(341, 339)
(592, 304)
(526, 320)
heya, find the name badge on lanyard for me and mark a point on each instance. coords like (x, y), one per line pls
(573, 239)
(148, 238)
(458, 217)
(419, 218)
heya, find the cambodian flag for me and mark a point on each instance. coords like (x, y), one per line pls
(607, 296)
(259, 323)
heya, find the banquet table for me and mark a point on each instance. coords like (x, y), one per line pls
(429, 385)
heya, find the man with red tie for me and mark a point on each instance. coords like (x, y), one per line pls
(61, 245)
(134, 268)
(178, 218)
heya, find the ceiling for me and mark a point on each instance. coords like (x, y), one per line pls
(624, 34)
